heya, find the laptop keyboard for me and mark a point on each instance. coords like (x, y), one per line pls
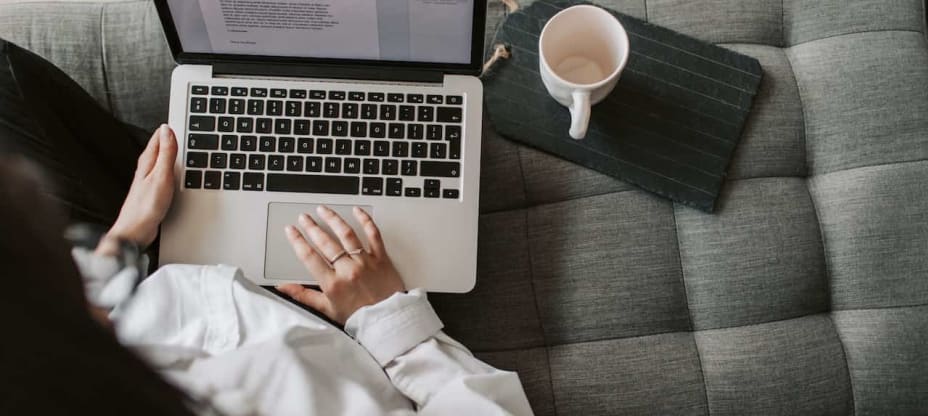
(324, 141)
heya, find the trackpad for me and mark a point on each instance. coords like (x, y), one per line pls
(279, 261)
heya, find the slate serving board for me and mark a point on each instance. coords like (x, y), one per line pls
(670, 126)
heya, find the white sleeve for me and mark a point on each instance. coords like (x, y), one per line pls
(440, 375)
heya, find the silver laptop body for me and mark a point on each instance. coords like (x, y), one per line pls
(265, 137)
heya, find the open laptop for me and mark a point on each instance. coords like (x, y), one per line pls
(280, 106)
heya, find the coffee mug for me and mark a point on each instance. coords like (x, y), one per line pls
(582, 50)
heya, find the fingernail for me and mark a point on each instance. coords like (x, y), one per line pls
(322, 209)
(289, 229)
(305, 218)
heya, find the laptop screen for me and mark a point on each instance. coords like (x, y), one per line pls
(423, 31)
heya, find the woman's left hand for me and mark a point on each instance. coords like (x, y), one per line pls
(151, 192)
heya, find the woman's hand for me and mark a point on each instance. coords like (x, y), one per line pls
(150, 194)
(354, 279)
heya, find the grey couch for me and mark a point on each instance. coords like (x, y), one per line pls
(807, 293)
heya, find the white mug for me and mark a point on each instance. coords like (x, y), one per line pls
(581, 52)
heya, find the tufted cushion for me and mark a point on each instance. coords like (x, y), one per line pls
(807, 292)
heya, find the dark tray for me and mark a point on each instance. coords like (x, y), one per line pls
(670, 126)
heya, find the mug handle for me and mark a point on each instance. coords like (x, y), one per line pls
(579, 114)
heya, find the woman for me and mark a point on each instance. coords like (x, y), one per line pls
(228, 346)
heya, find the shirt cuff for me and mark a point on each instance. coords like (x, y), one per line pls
(395, 325)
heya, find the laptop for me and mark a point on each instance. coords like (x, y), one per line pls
(282, 106)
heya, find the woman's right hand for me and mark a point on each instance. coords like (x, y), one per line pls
(355, 279)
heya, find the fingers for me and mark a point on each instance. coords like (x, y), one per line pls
(371, 230)
(149, 155)
(309, 297)
(317, 266)
(341, 229)
(167, 152)
(326, 244)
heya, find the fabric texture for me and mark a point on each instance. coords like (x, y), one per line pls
(806, 293)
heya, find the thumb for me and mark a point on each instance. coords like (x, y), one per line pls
(309, 297)
(167, 150)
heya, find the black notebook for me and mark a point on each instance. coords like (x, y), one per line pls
(670, 126)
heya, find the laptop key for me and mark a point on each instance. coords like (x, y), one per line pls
(450, 194)
(231, 181)
(344, 185)
(313, 109)
(255, 107)
(321, 127)
(376, 97)
(317, 94)
(395, 98)
(387, 112)
(313, 164)
(264, 125)
(198, 105)
(434, 99)
(275, 162)
(286, 145)
(278, 93)
(414, 192)
(449, 115)
(193, 179)
(409, 168)
(438, 150)
(426, 113)
(358, 129)
(390, 167)
(372, 186)
(343, 147)
(440, 169)
(330, 110)
(259, 92)
(415, 98)
(256, 162)
(324, 146)
(356, 96)
(226, 124)
(197, 159)
(249, 143)
(298, 94)
(396, 131)
(236, 106)
(253, 181)
(362, 148)
(275, 107)
(415, 131)
(229, 142)
(218, 161)
(333, 165)
(454, 100)
(454, 148)
(238, 161)
(368, 111)
(378, 130)
(217, 105)
(283, 126)
(202, 141)
(212, 179)
(432, 193)
(294, 109)
(394, 187)
(337, 95)
(199, 90)
(301, 127)
(305, 145)
(245, 125)
(381, 148)
(407, 113)
(452, 132)
(433, 132)
(239, 92)
(419, 150)
(400, 149)
(295, 163)
(350, 110)
(340, 128)
(371, 166)
(352, 165)
(267, 144)
(202, 123)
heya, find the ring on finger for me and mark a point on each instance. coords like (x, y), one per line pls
(338, 256)
(356, 252)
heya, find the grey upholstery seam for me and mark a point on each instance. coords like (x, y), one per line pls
(106, 81)
(689, 311)
(531, 282)
(541, 204)
(818, 219)
(855, 33)
(647, 18)
(875, 165)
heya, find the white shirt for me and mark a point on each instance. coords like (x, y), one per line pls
(237, 346)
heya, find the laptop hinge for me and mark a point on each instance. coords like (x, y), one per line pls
(379, 73)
